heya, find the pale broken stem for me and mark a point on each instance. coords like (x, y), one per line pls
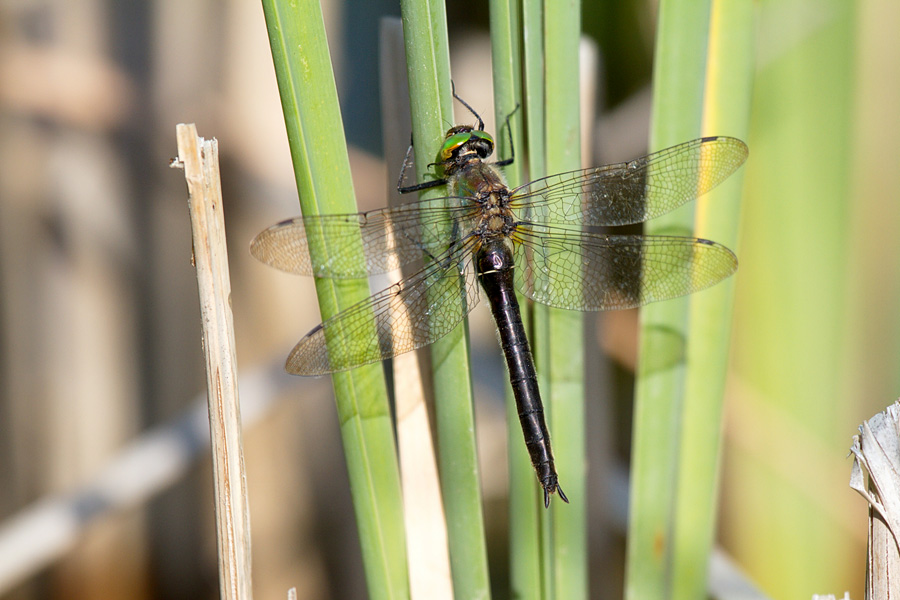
(426, 529)
(876, 476)
(426, 526)
(200, 160)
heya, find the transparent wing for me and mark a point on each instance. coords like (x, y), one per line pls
(632, 192)
(585, 271)
(391, 238)
(410, 314)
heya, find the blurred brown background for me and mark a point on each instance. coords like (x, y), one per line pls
(99, 336)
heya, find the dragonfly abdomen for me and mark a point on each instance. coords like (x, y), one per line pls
(494, 265)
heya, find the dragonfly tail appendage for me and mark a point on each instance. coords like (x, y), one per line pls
(551, 487)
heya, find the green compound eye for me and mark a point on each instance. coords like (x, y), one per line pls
(482, 141)
(453, 142)
(484, 136)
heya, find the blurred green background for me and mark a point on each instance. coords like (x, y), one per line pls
(98, 317)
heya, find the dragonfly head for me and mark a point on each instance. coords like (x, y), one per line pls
(466, 142)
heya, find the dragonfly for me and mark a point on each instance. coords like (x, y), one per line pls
(538, 239)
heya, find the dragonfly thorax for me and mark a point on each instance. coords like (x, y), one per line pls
(496, 218)
(483, 185)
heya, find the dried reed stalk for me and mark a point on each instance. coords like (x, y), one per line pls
(200, 159)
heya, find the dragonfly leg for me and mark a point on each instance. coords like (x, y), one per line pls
(512, 149)
(407, 161)
(416, 187)
(480, 125)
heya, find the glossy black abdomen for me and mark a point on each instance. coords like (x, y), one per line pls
(494, 265)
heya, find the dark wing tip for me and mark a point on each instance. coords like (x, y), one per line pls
(736, 143)
(268, 230)
(299, 362)
(285, 222)
(715, 138)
